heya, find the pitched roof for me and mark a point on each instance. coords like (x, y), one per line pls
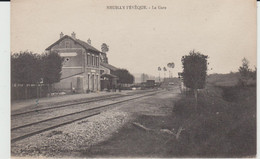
(109, 76)
(113, 68)
(80, 42)
(86, 45)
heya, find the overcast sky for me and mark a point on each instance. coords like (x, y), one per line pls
(142, 40)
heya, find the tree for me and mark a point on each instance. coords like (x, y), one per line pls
(31, 68)
(253, 74)
(244, 69)
(159, 69)
(51, 68)
(104, 48)
(245, 72)
(194, 71)
(171, 66)
(25, 68)
(164, 69)
(124, 76)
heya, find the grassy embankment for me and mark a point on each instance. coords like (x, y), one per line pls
(224, 124)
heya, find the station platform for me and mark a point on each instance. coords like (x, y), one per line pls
(16, 105)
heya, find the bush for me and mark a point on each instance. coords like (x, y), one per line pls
(221, 128)
(184, 107)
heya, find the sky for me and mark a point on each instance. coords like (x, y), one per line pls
(143, 40)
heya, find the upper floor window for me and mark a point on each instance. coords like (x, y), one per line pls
(67, 44)
(93, 60)
(89, 59)
(97, 59)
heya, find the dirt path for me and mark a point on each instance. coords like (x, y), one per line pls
(154, 113)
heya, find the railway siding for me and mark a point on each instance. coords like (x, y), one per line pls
(42, 114)
(27, 129)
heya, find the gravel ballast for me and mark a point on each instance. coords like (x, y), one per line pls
(75, 137)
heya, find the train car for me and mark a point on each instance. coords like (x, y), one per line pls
(148, 84)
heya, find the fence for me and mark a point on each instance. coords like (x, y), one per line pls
(28, 91)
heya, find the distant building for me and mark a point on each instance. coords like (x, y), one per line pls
(108, 77)
(81, 67)
(107, 68)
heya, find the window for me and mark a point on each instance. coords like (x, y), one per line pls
(97, 61)
(93, 60)
(88, 59)
(67, 44)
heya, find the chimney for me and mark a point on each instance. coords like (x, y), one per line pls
(61, 35)
(73, 35)
(89, 41)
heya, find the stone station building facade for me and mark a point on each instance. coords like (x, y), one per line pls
(81, 67)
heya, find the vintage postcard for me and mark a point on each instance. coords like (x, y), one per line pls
(133, 78)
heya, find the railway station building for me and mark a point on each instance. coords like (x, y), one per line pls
(83, 65)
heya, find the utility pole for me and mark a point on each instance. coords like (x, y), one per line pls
(164, 69)
(159, 69)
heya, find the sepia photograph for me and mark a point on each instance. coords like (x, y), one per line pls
(133, 78)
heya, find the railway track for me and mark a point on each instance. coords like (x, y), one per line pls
(37, 109)
(28, 130)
